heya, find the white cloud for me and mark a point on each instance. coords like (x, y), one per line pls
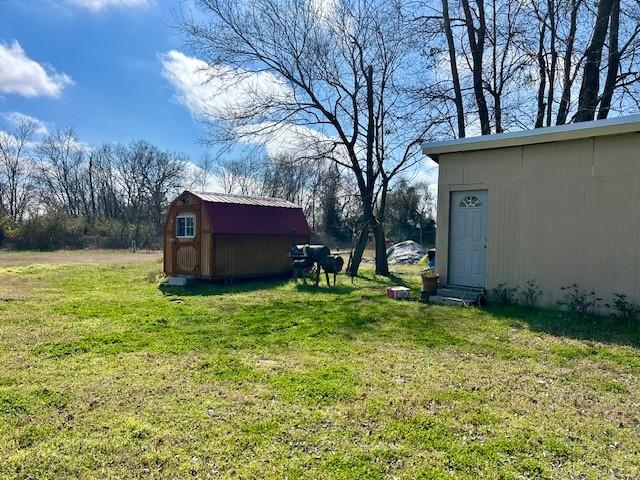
(97, 5)
(16, 118)
(323, 9)
(216, 91)
(23, 76)
(282, 139)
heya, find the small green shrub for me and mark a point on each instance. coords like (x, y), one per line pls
(530, 294)
(578, 302)
(504, 294)
(624, 310)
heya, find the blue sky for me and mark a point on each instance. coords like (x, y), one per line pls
(95, 65)
(118, 71)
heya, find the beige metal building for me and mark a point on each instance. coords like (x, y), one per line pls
(557, 205)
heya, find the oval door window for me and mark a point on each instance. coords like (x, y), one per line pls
(470, 201)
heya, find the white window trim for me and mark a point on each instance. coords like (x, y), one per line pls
(187, 215)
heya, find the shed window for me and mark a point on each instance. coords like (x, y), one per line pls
(470, 201)
(186, 225)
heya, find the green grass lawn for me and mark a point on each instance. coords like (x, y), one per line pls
(105, 373)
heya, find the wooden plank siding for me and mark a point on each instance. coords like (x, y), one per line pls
(252, 255)
(206, 246)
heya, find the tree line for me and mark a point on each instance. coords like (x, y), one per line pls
(58, 192)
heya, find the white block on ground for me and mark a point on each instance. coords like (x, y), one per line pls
(178, 281)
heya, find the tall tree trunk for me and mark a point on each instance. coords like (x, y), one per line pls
(495, 89)
(369, 220)
(613, 62)
(497, 112)
(542, 72)
(551, 12)
(382, 262)
(92, 193)
(358, 251)
(567, 80)
(588, 98)
(375, 223)
(476, 44)
(382, 265)
(455, 77)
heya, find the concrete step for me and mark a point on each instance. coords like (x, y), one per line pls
(453, 295)
(465, 295)
(442, 300)
(455, 288)
(468, 294)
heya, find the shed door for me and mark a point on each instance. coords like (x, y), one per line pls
(468, 238)
(186, 243)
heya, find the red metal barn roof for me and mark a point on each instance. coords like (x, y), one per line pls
(239, 214)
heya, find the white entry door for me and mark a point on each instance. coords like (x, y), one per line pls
(468, 238)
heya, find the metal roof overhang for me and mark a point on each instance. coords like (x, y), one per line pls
(570, 131)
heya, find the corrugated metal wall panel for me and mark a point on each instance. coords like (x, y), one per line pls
(503, 233)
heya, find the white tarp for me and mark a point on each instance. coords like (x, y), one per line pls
(407, 252)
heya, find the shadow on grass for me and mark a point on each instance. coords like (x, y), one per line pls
(323, 288)
(209, 288)
(394, 279)
(555, 322)
(213, 288)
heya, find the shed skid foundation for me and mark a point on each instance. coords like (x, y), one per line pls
(180, 280)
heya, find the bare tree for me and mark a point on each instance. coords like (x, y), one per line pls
(339, 67)
(552, 13)
(542, 68)
(455, 76)
(613, 63)
(476, 37)
(60, 171)
(205, 165)
(569, 69)
(16, 170)
(508, 59)
(588, 98)
(163, 178)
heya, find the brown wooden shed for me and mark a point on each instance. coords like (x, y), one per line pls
(222, 236)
